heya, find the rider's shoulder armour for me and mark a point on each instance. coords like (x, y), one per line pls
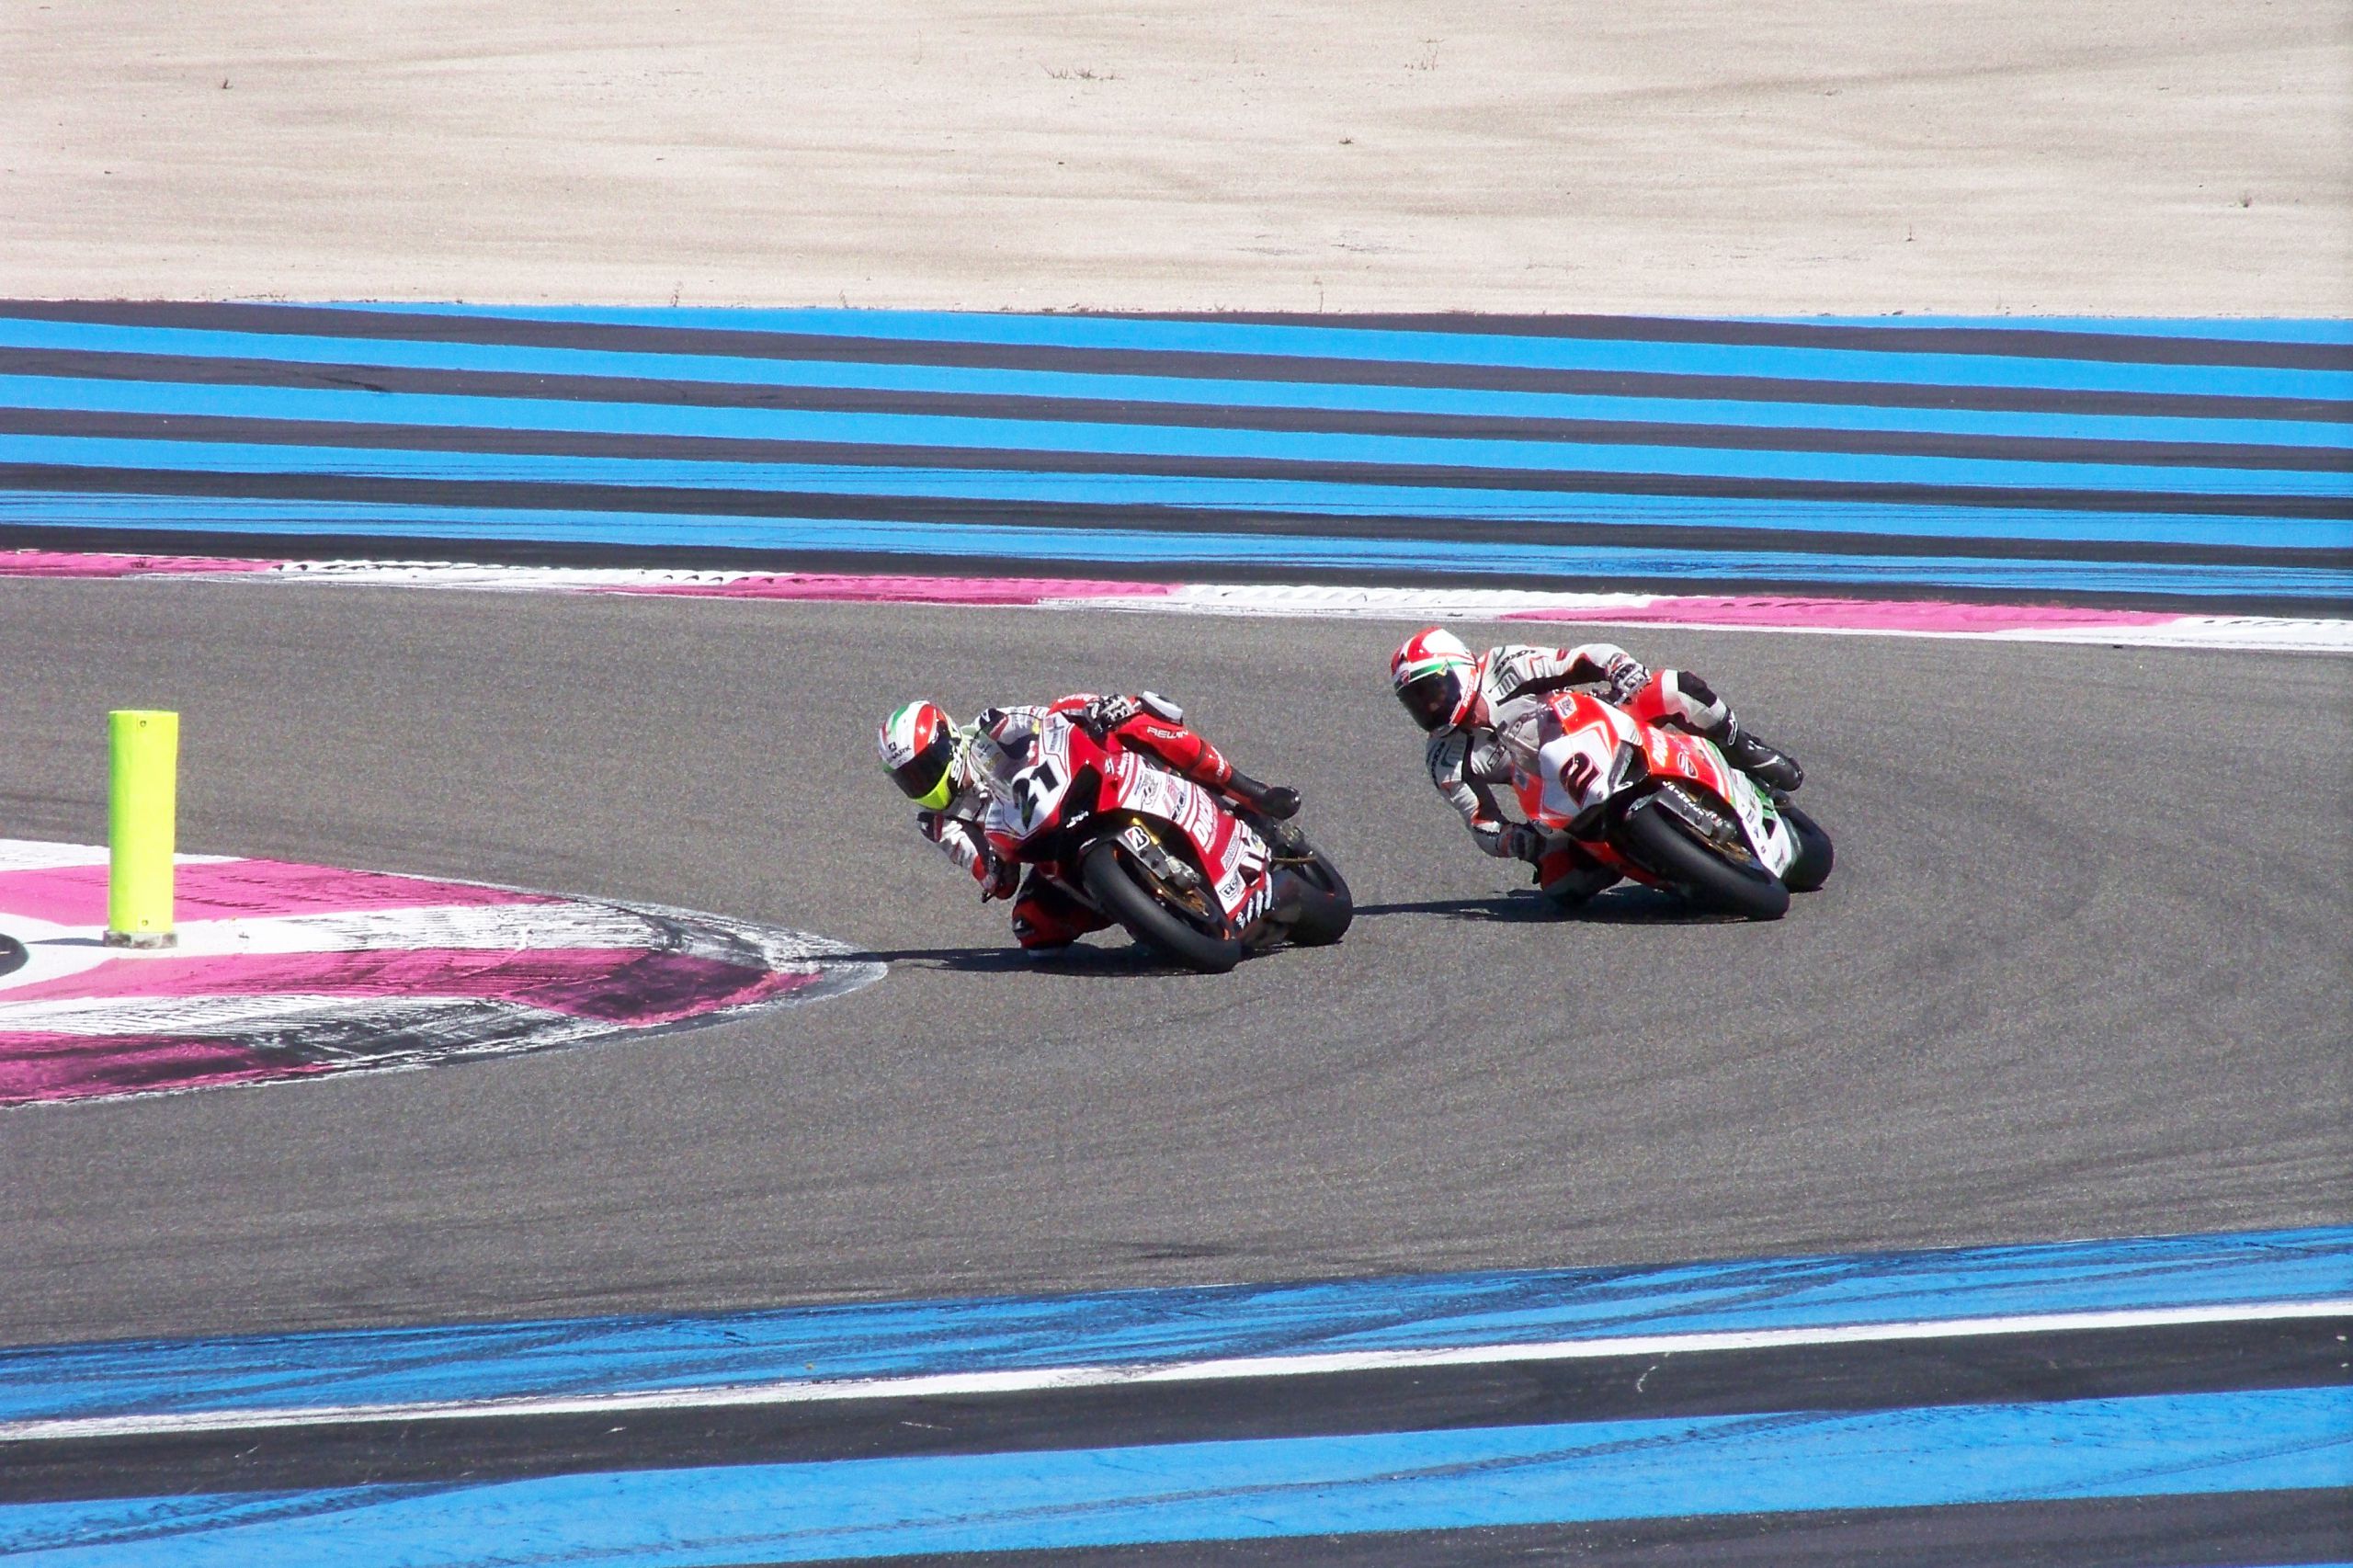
(1507, 669)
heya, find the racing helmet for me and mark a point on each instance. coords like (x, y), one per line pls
(918, 745)
(1431, 674)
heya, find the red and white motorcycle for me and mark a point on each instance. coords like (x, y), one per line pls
(1660, 806)
(1191, 874)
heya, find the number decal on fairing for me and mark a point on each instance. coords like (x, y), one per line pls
(1037, 793)
(1576, 760)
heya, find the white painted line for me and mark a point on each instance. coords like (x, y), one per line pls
(511, 927)
(55, 951)
(1827, 613)
(39, 855)
(32, 855)
(100, 1017)
(2240, 635)
(1324, 600)
(1037, 1380)
(1670, 613)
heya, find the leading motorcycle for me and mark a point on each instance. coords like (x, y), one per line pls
(1191, 874)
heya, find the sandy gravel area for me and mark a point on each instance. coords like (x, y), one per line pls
(2094, 157)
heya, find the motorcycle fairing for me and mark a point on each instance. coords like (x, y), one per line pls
(1577, 754)
(1579, 768)
(1032, 802)
(1674, 754)
(1234, 856)
(1761, 821)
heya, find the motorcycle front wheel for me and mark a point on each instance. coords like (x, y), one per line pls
(1126, 896)
(1656, 839)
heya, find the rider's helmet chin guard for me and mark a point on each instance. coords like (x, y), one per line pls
(917, 745)
(1431, 674)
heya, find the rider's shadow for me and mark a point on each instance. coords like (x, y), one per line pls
(1079, 959)
(1629, 904)
(1504, 908)
(1626, 904)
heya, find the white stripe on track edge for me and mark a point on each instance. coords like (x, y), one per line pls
(1050, 1378)
(1664, 612)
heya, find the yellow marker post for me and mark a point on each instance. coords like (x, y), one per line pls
(143, 813)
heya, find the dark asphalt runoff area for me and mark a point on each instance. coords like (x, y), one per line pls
(2082, 971)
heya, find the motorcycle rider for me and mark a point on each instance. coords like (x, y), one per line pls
(953, 773)
(1457, 698)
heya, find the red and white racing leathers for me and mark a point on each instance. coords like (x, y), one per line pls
(1467, 761)
(996, 744)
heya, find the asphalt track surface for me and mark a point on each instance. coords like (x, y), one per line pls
(2080, 973)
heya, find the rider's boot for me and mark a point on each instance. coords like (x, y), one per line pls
(1761, 760)
(1276, 801)
(1568, 876)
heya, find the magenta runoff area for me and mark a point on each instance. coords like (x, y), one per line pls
(1775, 612)
(286, 970)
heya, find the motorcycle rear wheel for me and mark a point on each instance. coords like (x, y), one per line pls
(1812, 867)
(1124, 895)
(1657, 839)
(1325, 906)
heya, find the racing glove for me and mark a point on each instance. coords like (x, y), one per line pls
(1105, 714)
(1627, 675)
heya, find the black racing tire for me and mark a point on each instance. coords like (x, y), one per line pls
(1325, 906)
(1656, 838)
(1122, 897)
(1811, 868)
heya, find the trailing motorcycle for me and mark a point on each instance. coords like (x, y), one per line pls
(1660, 806)
(1191, 874)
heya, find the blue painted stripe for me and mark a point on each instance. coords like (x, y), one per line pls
(597, 1355)
(2162, 1445)
(1147, 390)
(1139, 441)
(1856, 365)
(1418, 484)
(1207, 495)
(978, 542)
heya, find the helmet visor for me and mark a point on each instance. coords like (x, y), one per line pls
(1432, 698)
(924, 779)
